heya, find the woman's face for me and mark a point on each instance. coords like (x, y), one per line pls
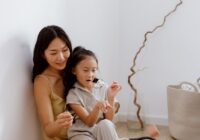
(57, 54)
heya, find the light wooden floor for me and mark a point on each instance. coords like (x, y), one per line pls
(123, 131)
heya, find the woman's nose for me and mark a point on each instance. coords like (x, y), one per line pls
(61, 56)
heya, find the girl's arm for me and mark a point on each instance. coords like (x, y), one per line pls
(89, 118)
(110, 110)
(51, 126)
(112, 92)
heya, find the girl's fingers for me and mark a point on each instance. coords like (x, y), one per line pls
(102, 106)
(107, 106)
(115, 86)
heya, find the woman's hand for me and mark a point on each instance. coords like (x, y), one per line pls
(114, 88)
(64, 120)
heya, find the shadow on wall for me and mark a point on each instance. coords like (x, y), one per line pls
(18, 118)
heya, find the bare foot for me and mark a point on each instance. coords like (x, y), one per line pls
(152, 130)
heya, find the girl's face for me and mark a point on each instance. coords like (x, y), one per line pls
(85, 72)
(57, 54)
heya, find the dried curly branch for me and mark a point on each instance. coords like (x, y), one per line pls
(134, 63)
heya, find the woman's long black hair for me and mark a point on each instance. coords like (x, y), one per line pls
(45, 37)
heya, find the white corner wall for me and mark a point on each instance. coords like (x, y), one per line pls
(18, 117)
(91, 23)
(171, 54)
(114, 30)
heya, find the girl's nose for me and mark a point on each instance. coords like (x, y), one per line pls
(90, 73)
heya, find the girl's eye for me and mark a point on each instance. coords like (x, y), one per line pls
(94, 70)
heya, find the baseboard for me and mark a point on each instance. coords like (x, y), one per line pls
(158, 120)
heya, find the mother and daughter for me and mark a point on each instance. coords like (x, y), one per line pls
(71, 102)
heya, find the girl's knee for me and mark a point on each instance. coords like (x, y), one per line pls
(106, 123)
(106, 130)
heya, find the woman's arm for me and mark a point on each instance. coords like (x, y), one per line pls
(44, 108)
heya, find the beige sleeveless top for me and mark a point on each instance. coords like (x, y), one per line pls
(58, 106)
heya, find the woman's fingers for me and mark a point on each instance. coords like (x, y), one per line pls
(65, 119)
(67, 123)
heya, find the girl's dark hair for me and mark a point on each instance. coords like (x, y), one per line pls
(79, 53)
(45, 37)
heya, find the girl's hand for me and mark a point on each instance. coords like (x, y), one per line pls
(114, 88)
(103, 106)
(64, 120)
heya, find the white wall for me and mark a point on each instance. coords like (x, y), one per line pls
(90, 23)
(114, 30)
(171, 54)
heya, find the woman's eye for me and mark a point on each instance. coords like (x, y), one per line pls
(65, 50)
(53, 54)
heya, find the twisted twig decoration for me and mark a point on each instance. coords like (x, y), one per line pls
(134, 63)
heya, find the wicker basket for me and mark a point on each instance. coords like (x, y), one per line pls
(184, 112)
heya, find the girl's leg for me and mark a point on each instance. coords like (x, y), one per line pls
(140, 138)
(105, 130)
(81, 137)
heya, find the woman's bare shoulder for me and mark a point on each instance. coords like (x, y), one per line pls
(41, 84)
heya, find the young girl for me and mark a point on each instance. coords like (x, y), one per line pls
(89, 100)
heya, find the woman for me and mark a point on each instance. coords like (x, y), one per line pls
(51, 53)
